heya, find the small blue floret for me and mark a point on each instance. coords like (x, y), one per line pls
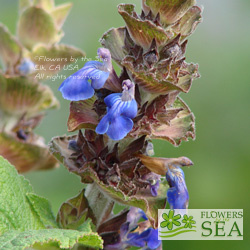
(177, 194)
(121, 109)
(82, 84)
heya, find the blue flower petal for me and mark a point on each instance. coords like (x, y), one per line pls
(130, 109)
(177, 199)
(94, 71)
(76, 88)
(119, 127)
(81, 85)
(121, 108)
(152, 240)
(147, 238)
(177, 194)
(99, 78)
(111, 99)
(142, 213)
(134, 239)
(103, 125)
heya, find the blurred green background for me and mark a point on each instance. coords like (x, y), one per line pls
(219, 99)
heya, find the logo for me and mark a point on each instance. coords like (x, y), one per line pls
(200, 224)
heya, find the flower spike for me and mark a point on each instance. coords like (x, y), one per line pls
(121, 109)
(78, 86)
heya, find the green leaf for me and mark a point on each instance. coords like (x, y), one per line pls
(10, 49)
(65, 239)
(36, 26)
(60, 14)
(59, 56)
(170, 10)
(142, 31)
(16, 211)
(43, 209)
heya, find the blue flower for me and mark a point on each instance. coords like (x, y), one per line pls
(177, 194)
(148, 238)
(121, 109)
(26, 67)
(131, 234)
(82, 84)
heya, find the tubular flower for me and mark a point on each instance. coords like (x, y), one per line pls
(82, 84)
(135, 233)
(121, 109)
(177, 194)
(147, 239)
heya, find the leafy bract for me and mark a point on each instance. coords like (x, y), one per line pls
(20, 95)
(142, 199)
(60, 14)
(170, 11)
(142, 31)
(10, 49)
(82, 115)
(36, 26)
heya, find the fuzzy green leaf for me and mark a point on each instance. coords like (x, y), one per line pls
(17, 204)
(43, 209)
(64, 239)
(10, 50)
